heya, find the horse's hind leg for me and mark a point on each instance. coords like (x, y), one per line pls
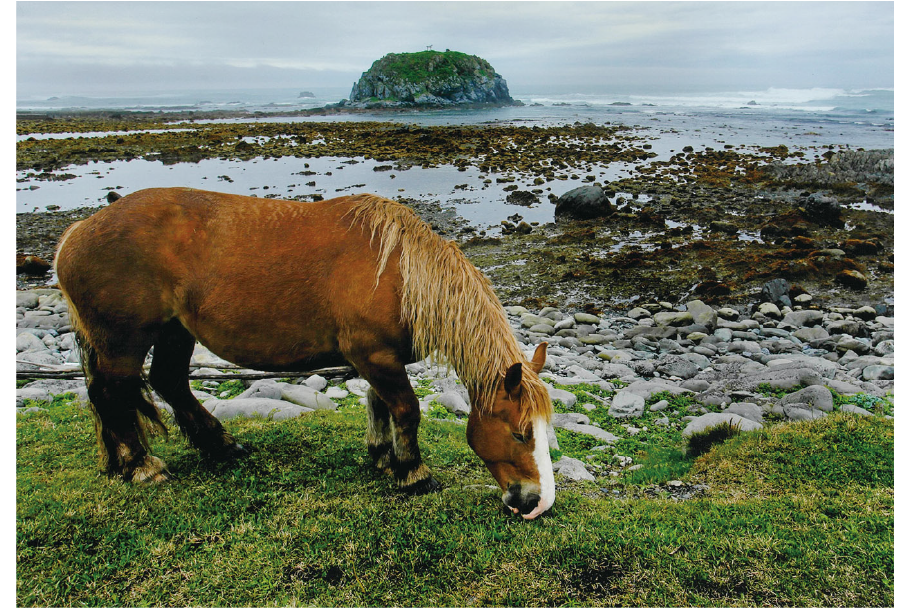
(122, 414)
(169, 377)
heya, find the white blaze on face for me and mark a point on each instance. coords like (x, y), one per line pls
(545, 469)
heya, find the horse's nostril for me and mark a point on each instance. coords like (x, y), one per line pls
(529, 503)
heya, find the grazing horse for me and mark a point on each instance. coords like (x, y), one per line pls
(281, 285)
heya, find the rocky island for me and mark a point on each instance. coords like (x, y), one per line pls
(430, 78)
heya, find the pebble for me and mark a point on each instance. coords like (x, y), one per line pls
(720, 355)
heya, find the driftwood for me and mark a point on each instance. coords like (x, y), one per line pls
(245, 374)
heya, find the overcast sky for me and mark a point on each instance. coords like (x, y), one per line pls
(66, 48)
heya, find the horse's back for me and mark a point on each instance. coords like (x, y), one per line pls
(229, 266)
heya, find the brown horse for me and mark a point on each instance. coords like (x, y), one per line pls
(282, 285)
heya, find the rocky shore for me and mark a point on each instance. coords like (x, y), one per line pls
(654, 368)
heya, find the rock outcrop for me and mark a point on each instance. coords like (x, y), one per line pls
(430, 78)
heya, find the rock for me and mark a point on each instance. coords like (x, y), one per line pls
(659, 406)
(674, 318)
(307, 397)
(583, 203)
(712, 419)
(560, 420)
(769, 310)
(747, 410)
(225, 409)
(264, 389)
(852, 278)
(572, 469)
(817, 397)
(809, 334)
(430, 78)
(823, 210)
(803, 318)
(558, 394)
(335, 392)
(26, 299)
(855, 409)
(31, 265)
(594, 431)
(776, 292)
(27, 342)
(801, 411)
(358, 386)
(453, 402)
(702, 313)
(627, 405)
(679, 366)
(316, 382)
(585, 318)
(879, 372)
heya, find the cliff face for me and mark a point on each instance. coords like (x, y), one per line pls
(430, 78)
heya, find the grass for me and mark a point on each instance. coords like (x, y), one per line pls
(797, 514)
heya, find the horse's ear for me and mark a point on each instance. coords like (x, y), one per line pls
(513, 380)
(537, 361)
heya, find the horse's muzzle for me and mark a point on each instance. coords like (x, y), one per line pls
(529, 504)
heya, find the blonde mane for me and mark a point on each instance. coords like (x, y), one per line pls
(449, 305)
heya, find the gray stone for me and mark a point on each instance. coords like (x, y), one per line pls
(627, 405)
(803, 318)
(808, 334)
(358, 386)
(702, 313)
(673, 318)
(542, 328)
(594, 431)
(855, 409)
(709, 420)
(28, 342)
(307, 397)
(316, 382)
(659, 406)
(770, 310)
(801, 411)
(225, 409)
(26, 299)
(584, 317)
(558, 394)
(675, 365)
(560, 420)
(572, 469)
(647, 388)
(750, 411)
(453, 402)
(879, 372)
(264, 389)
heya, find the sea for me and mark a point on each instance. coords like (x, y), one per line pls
(810, 119)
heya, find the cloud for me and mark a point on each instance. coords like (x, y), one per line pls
(86, 44)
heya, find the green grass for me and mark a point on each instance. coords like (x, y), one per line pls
(796, 514)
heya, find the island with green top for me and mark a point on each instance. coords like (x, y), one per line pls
(430, 78)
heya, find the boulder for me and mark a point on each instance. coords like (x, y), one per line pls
(225, 409)
(572, 469)
(712, 419)
(583, 203)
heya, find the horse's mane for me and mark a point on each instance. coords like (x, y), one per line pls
(450, 307)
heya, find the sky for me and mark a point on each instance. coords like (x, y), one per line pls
(99, 48)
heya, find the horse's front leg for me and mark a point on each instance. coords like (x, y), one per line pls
(393, 418)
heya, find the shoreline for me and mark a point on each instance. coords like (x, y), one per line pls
(710, 223)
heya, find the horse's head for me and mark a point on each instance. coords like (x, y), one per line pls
(511, 439)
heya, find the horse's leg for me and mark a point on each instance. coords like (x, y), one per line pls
(169, 377)
(122, 414)
(379, 431)
(386, 374)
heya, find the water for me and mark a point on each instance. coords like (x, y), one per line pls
(807, 119)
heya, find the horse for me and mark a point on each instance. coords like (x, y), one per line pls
(281, 285)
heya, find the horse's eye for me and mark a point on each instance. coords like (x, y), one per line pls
(519, 437)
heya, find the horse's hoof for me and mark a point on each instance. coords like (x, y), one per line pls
(152, 472)
(229, 452)
(425, 486)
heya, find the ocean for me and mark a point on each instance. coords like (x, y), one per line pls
(812, 119)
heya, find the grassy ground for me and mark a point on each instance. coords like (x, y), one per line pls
(800, 514)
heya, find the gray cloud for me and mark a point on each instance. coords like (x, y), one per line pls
(92, 47)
